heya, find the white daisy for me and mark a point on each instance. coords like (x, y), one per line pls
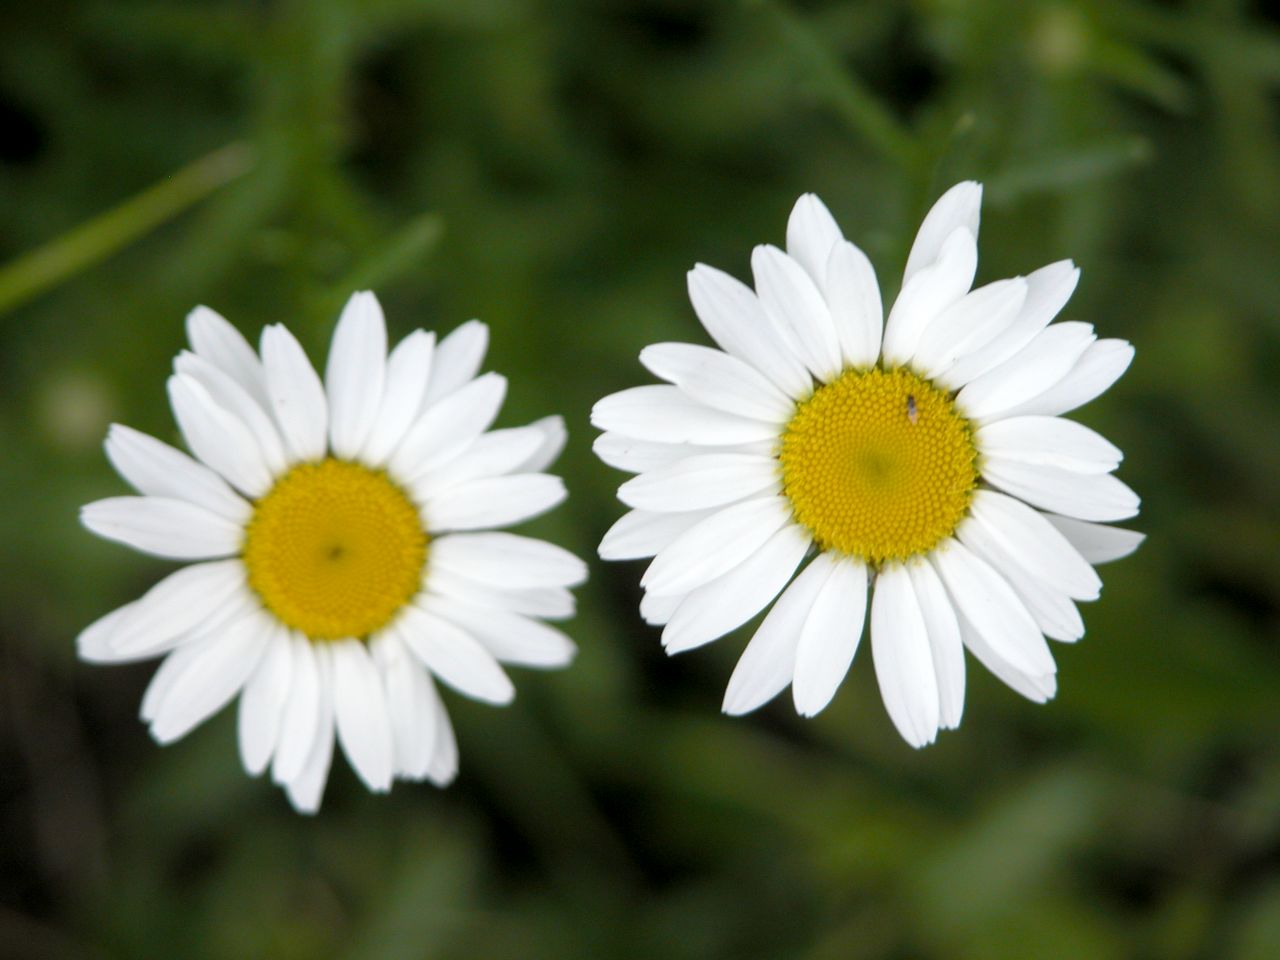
(342, 530)
(920, 459)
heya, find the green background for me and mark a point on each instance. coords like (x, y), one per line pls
(553, 167)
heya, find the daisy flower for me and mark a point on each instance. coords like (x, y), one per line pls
(343, 556)
(913, 472)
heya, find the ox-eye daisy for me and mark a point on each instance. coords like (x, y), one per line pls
(345, 556)
(921, 459)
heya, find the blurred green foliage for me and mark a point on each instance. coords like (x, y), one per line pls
(553, 166)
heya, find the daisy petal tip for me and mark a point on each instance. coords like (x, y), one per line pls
(735, 705)
(966, 196)
(307, 806)
(442, 780)
(555, 435)
(810, 700)
(202, 318)
(581, 573)
(919, 739)
(375, 781)
(504, 698)
(164, 734)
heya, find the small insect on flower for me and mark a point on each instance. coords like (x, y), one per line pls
(912, 413)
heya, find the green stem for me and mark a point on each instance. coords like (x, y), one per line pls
(49, 265)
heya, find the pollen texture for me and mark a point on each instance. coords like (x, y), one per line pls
(334, 549)
(878, 465)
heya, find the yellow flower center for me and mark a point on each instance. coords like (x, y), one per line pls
(334, 549)
(878, 464)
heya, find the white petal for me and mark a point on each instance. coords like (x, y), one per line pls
(443, 766)
(903, 657)
(156, 469)
(1098, 368)
(1097, 543)
(1051, 609)
(658, 611)
(958, 207)
(300, 723)
(458, 359)
(491, 454)
(665, 414)
(227, 394)
(221, 344)
(830, 636)
(1045, 360)
(853, 295)
(211, 678)
(926, 293)
(1050, 441)
(409, 707)
(968, 325)
(768, 663)
(306, 789)
(163, 527)
(262, 703)
(93, 646)
(171, 670)
(792, 298)
(449, 426)
(1048, 290)
(413, 721)
(1033, 543)
(354, 376)
(494, 502)
(182, 601)
(729, 601)
(1085, 496)
(507, 560)
(811, 233)
(1039, 687)
(554, 436)
(710, 480)
(715, 545)
(642, 533)
(217, 437)
(549, 603)
(296, 393)
(360, 714)
(736, 320)
(189, 648)
(718, 380)
(637, 456)
(1054, 613)
(454, 655)
(944, 641)
(991, 606)
(509, 637)
(408, 371)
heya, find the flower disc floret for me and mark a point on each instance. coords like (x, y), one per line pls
(335, 549)
(878, 465)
